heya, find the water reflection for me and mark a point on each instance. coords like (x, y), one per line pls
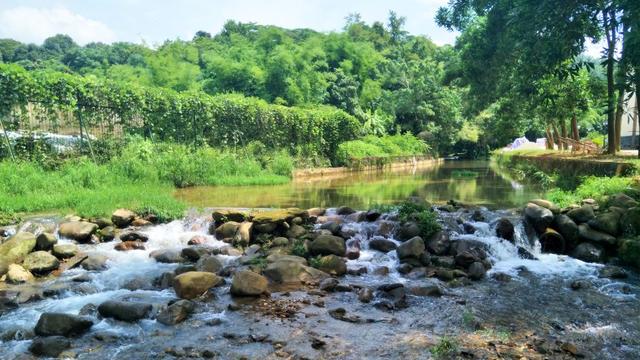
(466, 181)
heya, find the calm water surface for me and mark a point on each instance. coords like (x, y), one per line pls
(467, 181)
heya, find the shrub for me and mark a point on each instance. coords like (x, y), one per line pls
(380, 147)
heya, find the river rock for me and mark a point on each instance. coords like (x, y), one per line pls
(588, 252)
(17, 247)
(65, 251)
(222, 216)
(124, 310)
(546, 204)
(168, 256)
(608, 222)
(413, 248)
(122, 218)
(248, 283)
(523, 253)
(333, 226)
(585, 232)
(622, 201)
(395, 293)
(107, 234)
(227, 231)
(40, 262)
(582, 214)
(197, 240)
(16, 274)
(408, 230)
(292, 272)
(612, 272)
(60, 324)
(80, 231)
(176, 312)
(279, 242)
(209, 263)
(476, 271)
(333, 265)
(372, 215)
(327, 245)
(194, 253)
(539, 217)
(192, 284)
(505, 229)
(630, 222)
(552, 241)
(134, 236)
(129, 245)
(439, 243)
(381, 244)
(50, 346)
(567, 228)
(245, 234)
(427, 290)
(45, 241)
(344, 210)
(95, 263)
(296, 231)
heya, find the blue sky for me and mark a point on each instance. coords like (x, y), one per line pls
(155, 21)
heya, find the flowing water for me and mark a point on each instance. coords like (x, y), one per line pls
(536, 314)
(468, 181)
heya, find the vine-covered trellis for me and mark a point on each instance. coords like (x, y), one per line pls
(58, 102)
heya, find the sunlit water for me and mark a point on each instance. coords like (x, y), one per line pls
(467, 181)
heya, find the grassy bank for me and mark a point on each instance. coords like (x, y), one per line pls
(569, 179)
(139, 175)
(350, 153)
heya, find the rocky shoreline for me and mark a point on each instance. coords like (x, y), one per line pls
(278, 264)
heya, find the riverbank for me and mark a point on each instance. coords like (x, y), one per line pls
(390, 164)
(313, 283)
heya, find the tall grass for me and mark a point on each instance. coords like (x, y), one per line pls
(141, 176)
(592, 187)
(381, 147)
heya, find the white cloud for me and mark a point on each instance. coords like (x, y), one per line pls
(33, 25)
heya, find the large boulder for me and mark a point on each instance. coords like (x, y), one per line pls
(16, 274)
(122, 218)
(296, 231)
(381, 244)
(80, 231)
(608, 222)
(293, 272)
(333, 265)
(245, 234)
(327, 245)
(622, 201)
(505, 229)
(50, 346)
(582, 214)
(546, 204)
(192, 284)
(588, 252)
(124, 310)
(408, 230)
(539, 217)
(629, 252)
(17, 247)
(176, 313)
(40, 262)
(64, 251)
(439, 243)
(228, 231)
(45, 241)
(248, 283)
(567, 228)
(476, 271)
(585, 232)
(60, 324)
(167, 256)
(630, 222)
(222, 216)
(552, 241)
(413, 248)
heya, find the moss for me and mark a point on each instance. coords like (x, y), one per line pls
(278, 216)
(629, 252)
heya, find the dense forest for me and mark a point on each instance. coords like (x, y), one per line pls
(461, 99)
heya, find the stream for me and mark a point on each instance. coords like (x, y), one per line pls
(522, 308)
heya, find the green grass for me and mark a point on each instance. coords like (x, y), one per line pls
(446, 348)
(592, 187)
(380, 147)
(140, 175)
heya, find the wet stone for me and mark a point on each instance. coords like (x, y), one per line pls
(124, 311)
(50, 346)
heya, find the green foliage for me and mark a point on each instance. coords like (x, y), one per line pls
(464, 174)
(315, 262)
(592, 187)
(423, 215)
(446, 348)
(299, 249)
(380, 147)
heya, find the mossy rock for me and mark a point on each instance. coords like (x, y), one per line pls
(279, 216)
(220, 216)
(17, 247)
(8, 219)
(629, 252)
(630, 222)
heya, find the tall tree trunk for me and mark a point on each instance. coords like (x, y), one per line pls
(549, 138)
(556, 135)
(619, 112)
(610, 29)
(638, 109)
(563, 132)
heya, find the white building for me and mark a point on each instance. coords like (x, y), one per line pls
(630, 131)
